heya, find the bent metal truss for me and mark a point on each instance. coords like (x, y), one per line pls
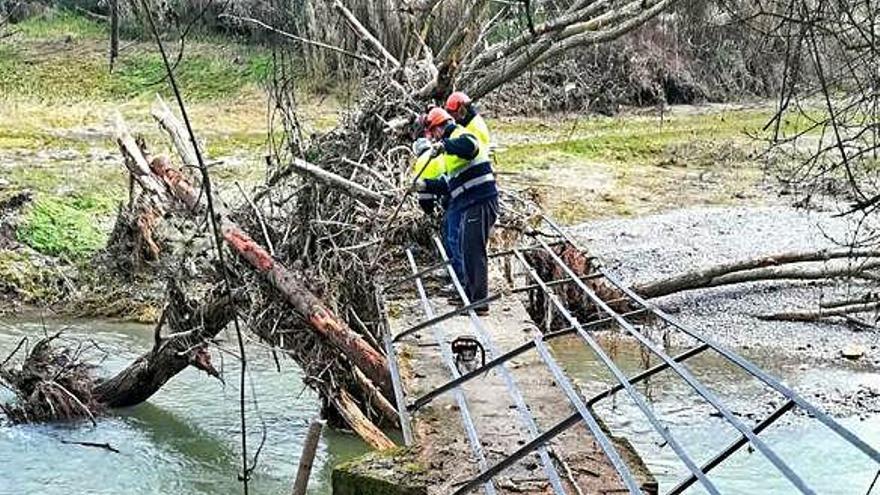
(583, 406)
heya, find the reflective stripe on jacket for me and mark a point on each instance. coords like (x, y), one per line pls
(469, 179)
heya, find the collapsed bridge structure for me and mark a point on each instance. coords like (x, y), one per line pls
(582, 298)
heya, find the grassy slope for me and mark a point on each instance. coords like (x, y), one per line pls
(596, 167)
(57, 99)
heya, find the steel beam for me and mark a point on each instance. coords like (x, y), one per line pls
(686, 375)
(621, 378)
(429, 396)
(446, 353)
(570, 421)
(394, 369)
(513, 389)
(734, 446)
(491, 298)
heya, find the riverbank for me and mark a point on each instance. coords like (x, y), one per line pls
(656, 246)
(59, 99)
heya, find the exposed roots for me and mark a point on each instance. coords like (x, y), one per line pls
(51, 384)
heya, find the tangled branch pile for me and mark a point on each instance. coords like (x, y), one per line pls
(51, 384)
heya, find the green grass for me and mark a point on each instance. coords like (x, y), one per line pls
(622, 140)
(63, 56)
(64, 228)
(62, 23)
(602, 167)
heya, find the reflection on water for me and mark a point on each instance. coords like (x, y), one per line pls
(827, 463)
(185, 440)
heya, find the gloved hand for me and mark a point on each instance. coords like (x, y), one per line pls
(437, 147)
(420, 146)
(418, 186)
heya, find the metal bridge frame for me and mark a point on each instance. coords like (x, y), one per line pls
(538, 441)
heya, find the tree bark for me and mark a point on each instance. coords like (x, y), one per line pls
(334, 181)
(161, 174)
(818, 314)
(361, 425)
(148, 373)
(761, 268)
(309, 307)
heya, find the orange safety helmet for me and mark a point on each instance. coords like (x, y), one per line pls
(456, 100)
(437, 117)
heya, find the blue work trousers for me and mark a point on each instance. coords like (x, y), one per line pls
(451, 229)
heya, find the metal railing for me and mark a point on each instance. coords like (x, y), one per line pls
(583, 413)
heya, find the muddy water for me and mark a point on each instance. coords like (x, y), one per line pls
(185, 440)
(828, 464)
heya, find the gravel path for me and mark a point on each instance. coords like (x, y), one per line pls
(657, 246)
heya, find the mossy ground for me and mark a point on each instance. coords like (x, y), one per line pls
(58, 99)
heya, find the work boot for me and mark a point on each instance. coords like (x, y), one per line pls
(449, 291)
(454, 301)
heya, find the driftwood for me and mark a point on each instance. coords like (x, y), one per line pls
(307, 458)
(352, 188)
(822, 313)
(581, 305)
(774, 267)
(54, 383)
(369, 367)
(187, 346)
(364, 33)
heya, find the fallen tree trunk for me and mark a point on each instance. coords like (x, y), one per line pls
(187, 346)
(348, 408)
(761, 268)
(288, 283)
(53, 384)
(310, 308)
(818, 314)
(329, 328)
(580, 303)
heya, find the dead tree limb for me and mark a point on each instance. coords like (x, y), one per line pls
(334, 181)
(748, 270)
(365, 33)
(175, 129)
(300, 39)
(376, 399)
(187, 347)
(868, 297)
(289, 284)
(818, 314)
(348, 408)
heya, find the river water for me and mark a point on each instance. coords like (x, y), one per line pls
(185, 440)
(827, 463)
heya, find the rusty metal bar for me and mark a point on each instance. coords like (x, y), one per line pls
(621, 378)
(569, 421)
(686, 375)
(446, 353)
(512, 388)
